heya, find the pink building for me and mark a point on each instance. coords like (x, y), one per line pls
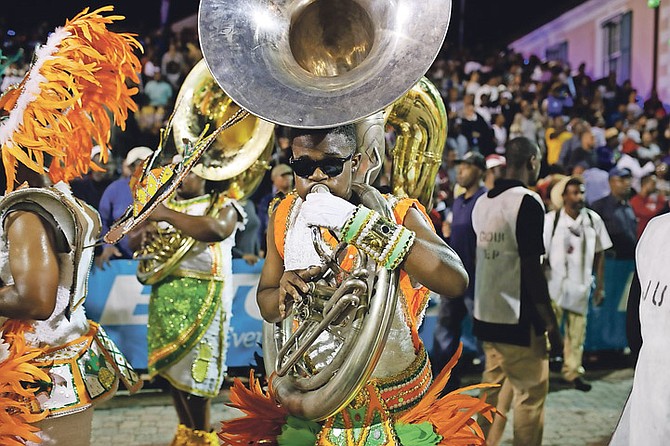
(608, 35)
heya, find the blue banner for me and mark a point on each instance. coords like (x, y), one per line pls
(120, 303)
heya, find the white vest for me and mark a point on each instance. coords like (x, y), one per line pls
(647, 412)
(498, 284)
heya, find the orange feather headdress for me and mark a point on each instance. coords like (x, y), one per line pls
(66, 102)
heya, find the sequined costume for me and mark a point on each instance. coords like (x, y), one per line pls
(190, 310)
(82, 363)
(389, 410)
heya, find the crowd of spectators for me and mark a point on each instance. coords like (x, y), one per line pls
(583, 126)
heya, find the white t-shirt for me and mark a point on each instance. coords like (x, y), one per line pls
(570, 252)
(638, 171)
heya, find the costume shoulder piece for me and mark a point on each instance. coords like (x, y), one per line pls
(74, 227)
(401, 206)
(281, 213)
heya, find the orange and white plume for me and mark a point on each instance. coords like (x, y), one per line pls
(77, 85)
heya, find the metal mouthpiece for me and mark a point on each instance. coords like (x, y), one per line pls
(320, 189)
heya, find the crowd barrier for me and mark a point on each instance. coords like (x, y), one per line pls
(120, 303)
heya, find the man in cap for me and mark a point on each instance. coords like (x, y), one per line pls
(114, 202)
(574, 239)
(618, 215)
(621, 225)
(470, 172)
(607, 155)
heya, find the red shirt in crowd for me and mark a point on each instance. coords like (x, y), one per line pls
(646, 208)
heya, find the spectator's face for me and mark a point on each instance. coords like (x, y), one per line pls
(283, 182)
(588, 141)
(283, 143)
(469, 110)
(620, 187)
(453, 95)
(649, 186)
(467, 175)
(573, 196)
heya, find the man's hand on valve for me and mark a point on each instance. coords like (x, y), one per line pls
(293, 286)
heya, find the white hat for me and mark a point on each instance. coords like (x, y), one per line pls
(95, 150)
(137, 153)
(495, 160)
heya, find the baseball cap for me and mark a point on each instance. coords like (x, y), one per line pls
(137, 153)
(473, 158)
(281, 169)
(495, 160)
(556, 193)
(619, 172)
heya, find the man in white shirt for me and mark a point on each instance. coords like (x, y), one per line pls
(574, 238)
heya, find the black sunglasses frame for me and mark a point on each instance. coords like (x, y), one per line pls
(331, 166)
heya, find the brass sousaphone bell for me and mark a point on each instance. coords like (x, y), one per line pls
(240, 154)
(316, 64)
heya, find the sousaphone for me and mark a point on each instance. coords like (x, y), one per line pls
(316, 64)
(240, 154)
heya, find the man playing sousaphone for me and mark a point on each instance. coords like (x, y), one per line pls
(338, 286)
(389, 409)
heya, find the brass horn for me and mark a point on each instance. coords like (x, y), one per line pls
(201, 102)
(316, 64)
(320, 63)
(419, 120)
(240, 154)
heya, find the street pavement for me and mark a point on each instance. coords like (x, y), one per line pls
(572, 418)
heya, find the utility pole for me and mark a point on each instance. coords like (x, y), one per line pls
(656, 6)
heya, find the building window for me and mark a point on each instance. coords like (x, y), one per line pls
(557, 53)
(617, 41)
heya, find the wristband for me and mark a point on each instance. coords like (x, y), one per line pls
(385, 241)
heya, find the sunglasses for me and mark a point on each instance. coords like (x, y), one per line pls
(331, 166)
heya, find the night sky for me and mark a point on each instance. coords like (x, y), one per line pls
(491, 23)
